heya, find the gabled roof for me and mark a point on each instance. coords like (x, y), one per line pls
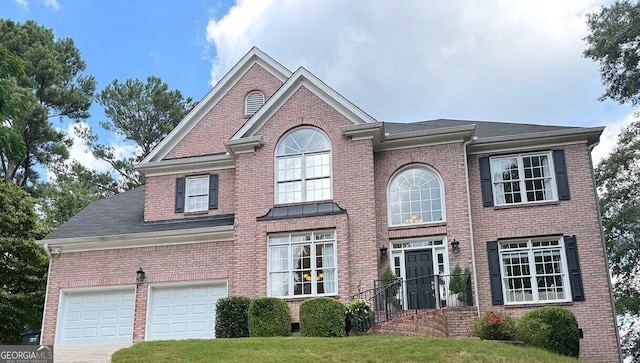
(302, 78)
(254, 56)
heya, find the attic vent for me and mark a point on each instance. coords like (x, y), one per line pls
(253, 102)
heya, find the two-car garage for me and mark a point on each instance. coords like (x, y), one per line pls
(174, 311)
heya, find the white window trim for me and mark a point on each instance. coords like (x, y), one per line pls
(442, 195)
(290, 265)
(523, 189)
(303, 189)
(186, 193)
(246, 102)
(534, 283)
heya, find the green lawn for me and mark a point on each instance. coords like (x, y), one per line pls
(371, 348)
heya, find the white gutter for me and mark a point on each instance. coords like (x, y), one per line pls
(46, 291)
(604, 248)
(473, 250)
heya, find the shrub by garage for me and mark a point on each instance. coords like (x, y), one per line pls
(322, 317)
(232, 317)
(269, 317)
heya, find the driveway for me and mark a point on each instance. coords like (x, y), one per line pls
(85, 354)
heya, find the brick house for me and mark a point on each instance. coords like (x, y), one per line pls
(276, 185)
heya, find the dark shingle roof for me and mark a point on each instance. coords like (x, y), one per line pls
(483, 128)
(299, 211)
(124, 214)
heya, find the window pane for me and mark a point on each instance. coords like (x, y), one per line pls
(414, 197)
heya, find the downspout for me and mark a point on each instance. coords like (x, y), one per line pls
(46, 291)
(604, 248)
(473, 250)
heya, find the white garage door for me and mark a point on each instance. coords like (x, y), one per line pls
(96, 318)
(185, 312)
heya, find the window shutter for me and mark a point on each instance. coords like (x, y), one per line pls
(561, 175)
(494, 273)
(213, 191)
(485, 177)
(179, 195)
(253, 102)
(573, 263)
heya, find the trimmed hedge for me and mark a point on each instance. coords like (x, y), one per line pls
(269, 317)
(322, 317)
(232, 317)
(551, 328)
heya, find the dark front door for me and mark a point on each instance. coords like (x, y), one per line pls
(420, 286)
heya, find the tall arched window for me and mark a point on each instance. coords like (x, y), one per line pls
(303, 166)
(415, 195)
(253, 102)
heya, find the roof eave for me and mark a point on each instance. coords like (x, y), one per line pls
(136, 240)
(425, 137)
(186, 165)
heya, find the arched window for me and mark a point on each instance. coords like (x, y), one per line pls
(415, 195)
(303, 166)
(253, 102)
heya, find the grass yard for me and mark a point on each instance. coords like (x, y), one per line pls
(371, 348)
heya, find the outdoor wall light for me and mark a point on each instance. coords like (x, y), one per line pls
(455, 246)
(383, 252)
(140, 276)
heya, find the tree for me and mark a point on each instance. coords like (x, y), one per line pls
(614, 42)
(11, 105)
(617, 177)
(23, 264)
(73, 187)
(613, 37)
(52, 86)
(141, 113)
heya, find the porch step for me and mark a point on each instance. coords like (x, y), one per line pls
(446, 322)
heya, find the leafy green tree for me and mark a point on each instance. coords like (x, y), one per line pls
(52, 86)
(72, 188)
(617, 177)
(142, 114)
(23, 264)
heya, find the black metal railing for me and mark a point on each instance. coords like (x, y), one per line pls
(390, 300)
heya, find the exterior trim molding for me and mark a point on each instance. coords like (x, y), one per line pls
(137, 240)
(589, 135)
(243, 146)
(186, 165)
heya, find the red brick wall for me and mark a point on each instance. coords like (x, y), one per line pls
(186, 262)
(577, 216)
(209, 135)
(159, 199)
(353, 190)
(448, 161)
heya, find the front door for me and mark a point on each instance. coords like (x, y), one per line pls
(419, 279)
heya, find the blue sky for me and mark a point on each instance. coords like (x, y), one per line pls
(498, 60)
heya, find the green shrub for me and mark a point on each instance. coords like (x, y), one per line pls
(232, 317)
(360, 315)
(551, 328)
(495, 325)
(269, 317)
(458, 282)
(322, 317)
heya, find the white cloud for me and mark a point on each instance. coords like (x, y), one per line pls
(23, 3)
(499, 60)
(53, 4)
(609, 137)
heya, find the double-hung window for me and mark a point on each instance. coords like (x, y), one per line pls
(197, 194)
(303, 167)
(302, 264)
(523, 179)
(534, 270)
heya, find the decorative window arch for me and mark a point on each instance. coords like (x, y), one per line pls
(415, 195)
(253, 102)
(303, 169)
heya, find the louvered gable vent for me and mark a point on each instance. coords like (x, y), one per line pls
(254, 101)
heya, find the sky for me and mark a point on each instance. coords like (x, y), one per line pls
(412, 60)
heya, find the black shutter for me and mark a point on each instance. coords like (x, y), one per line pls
(561, 175)
(485, 177)
(179, 195)
(213, 191)
(494, 273)
(573, 263)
